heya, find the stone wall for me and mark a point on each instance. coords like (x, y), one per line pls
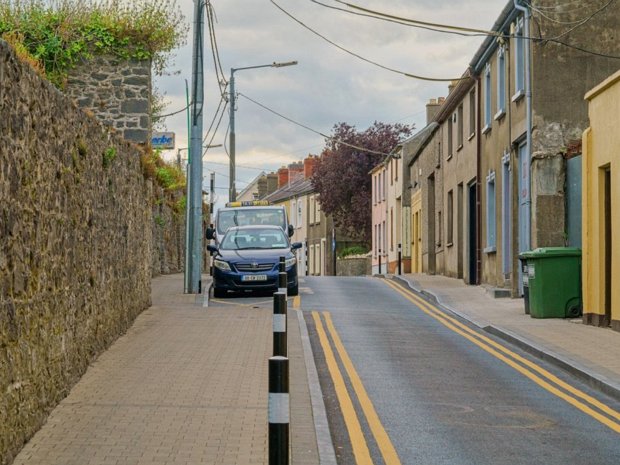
(118, 92)
(76, 246)
(358, 266)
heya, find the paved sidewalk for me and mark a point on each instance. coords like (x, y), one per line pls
(587, 351)
(186, 385)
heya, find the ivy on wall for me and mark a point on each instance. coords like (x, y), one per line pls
(55, 36)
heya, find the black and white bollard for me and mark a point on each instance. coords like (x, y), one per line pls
(379, 261)
(279, 411)
(400, 259)
(282, 278)
(279, 324)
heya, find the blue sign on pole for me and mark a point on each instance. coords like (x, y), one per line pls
(162, 140)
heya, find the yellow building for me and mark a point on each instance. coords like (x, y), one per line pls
(601, 206)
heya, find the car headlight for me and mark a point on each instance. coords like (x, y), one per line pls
(221, 265)
(290, 262)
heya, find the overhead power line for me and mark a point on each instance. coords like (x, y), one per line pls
(357, 147)
(449, 29)
(387, 68)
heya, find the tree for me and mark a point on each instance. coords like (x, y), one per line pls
(341, 176)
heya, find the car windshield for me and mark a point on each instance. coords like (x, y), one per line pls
(241, 239)
(250, 216)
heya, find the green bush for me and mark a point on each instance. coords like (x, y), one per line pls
(355, 250)
(60, 34)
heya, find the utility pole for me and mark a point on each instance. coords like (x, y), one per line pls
(194, 249)
(232, 188)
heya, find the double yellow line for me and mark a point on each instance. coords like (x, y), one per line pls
(351, 419)
(577, 398)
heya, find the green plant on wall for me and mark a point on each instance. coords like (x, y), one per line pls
(61, 34)
(108, 156)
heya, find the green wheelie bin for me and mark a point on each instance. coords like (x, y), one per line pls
(554, 279)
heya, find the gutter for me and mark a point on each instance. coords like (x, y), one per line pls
(528, 118)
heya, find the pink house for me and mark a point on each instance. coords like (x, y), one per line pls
(379, 218)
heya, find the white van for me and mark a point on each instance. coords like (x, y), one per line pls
(247, 213)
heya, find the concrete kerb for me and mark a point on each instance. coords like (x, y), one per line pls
(327, 455)
(595, 380)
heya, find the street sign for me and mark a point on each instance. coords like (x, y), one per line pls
(162, 140)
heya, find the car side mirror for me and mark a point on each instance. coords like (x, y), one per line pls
(291, 230)
(212, 248)
(210, 233)
(296, 245)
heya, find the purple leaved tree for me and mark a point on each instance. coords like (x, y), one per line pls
(341, 176)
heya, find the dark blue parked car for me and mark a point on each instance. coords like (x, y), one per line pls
(248, 257)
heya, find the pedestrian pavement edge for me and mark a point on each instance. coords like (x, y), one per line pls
(595, 380)
(327, 455)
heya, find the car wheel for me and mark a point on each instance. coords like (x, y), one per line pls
(219, 293)
(293, 290)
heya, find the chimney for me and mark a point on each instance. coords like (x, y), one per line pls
(309, 165)
(282, 177)
(295, 171)
(432, 108)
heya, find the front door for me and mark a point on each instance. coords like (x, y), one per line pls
(472, 243)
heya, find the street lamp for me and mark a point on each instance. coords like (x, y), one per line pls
(232, 192)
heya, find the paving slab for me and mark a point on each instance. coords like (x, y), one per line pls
(187, 384)
(589, 352)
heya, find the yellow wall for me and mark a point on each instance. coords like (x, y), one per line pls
(601, 150)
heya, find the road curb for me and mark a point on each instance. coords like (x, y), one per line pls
(327, 455)
(595, 380)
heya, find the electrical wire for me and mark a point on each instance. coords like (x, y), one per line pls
(158, 117)
(339, 141)
(215, 131)
(415, 21)
(219, 72)
(601, 9)
(403, 21)
(387, 68)
(217, 110)
(418, 24)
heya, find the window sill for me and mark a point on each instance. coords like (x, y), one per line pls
(490, 250)
(518, 96)
(459, 148)
(449, 157)
(500, 114)
(471, 136)
(449, 244)
(486, 129)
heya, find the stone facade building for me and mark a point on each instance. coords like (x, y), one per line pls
(118, 92)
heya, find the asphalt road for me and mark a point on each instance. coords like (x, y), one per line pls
(405, 384)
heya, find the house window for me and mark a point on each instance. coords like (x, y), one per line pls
(292, 213)
(318, 211)
(384, 185)
(487, 98)
(506, 214)
(450, 218)
(490, 220)
(391, 171)
(459, 123)
(501, 82)
(311, 210)
(391, 229)
(396, 170)
(300, 213)
(472, 113)
(439, 229)
(519, 58)
(449, 137)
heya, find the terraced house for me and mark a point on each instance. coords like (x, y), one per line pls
(501, 171)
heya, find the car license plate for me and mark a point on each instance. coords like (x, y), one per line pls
(254, 277)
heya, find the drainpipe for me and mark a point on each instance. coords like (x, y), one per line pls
(528, 115)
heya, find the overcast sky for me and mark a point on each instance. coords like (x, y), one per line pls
(327, 86)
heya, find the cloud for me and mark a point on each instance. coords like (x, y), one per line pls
(327, 86)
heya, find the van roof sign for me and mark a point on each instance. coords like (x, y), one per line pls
(248, 203)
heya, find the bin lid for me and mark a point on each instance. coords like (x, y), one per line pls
(551, 252)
